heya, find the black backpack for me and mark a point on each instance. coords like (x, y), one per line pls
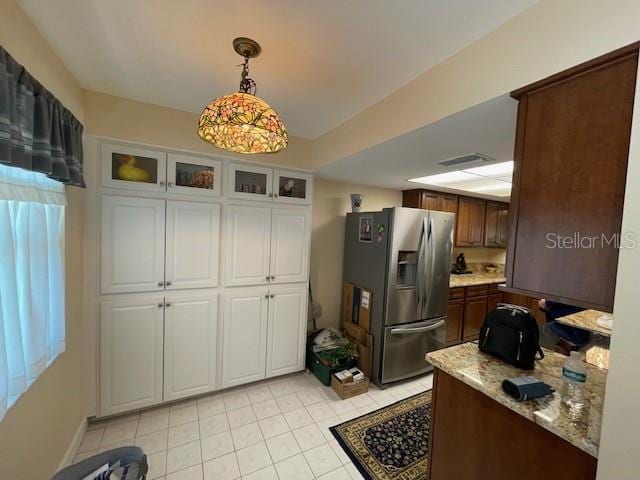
(511, 334)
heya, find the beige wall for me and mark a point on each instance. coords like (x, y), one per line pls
(37, 430)
(125, 119)
(547, 38)
(331, 202)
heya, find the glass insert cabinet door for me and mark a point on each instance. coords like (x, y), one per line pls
(292, 187)
(250, 182)
(134, 168)
(193, 175)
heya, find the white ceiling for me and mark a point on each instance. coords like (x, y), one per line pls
(488, 128)
(322, 61)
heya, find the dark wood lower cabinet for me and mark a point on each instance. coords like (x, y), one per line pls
(475, 310)
(473, 437)
(455, 312)
(468, 307)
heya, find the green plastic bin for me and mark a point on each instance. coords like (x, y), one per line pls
(321, 371)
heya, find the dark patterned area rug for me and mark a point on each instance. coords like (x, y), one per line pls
(391, 443)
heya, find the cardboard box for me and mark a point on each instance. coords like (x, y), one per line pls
(364, 343)
(348, 390)
(356, 306)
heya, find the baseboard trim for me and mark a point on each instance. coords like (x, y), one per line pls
(74, 445)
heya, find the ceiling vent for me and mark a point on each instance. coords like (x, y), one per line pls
(468, 160)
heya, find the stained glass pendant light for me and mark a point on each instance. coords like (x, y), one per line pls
(241, 122)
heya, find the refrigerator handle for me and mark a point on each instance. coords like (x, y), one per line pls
(432, 259)
(420, 270)
(402, 330)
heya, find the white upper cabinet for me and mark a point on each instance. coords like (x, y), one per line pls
(193, 175)
(286, 329)
(133, 168)
(292, 187)
(290, 237)
(132, 244)
(249, 182)
(131, 334)
(191, 323)
(266, 184)
(193, 236)
(248, 237)
(244, 336)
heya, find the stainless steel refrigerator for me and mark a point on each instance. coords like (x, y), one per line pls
(403, 256)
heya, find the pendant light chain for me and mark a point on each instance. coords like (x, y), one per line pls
(247, 85)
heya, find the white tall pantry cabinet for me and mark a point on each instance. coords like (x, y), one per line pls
(203, 274)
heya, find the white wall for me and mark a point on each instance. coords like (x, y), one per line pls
(619, 444)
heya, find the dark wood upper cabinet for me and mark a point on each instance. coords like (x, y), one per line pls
(470, 222)
(571, 153)
(430, 200)
(496, 225)
(448, 203)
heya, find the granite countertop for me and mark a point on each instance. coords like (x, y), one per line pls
(587, 321)
(485, 373)
(471, 279)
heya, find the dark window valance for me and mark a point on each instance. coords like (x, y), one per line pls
(36, 131)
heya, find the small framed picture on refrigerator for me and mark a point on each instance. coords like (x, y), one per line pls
(365, 231)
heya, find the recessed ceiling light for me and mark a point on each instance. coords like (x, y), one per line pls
(492, 179)
(495, 170)
(445, 178)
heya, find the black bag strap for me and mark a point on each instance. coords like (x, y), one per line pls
(541, 353)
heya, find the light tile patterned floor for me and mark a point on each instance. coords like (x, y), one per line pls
(275, 429)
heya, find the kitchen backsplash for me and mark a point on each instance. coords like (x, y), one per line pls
(481, 255)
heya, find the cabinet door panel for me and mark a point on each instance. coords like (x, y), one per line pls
(249, 182)
(493, 300)
(495, 228)
(290, 230)
(193, 175)
(455, 312)
(244, 337)
(449, 203)
(133, 168)
(190, 345)
(475, 309)
(287, 329)
(193, 237)
(470, 222)
(132, 244)
(292, 187)
(130, 354)
(248, 239)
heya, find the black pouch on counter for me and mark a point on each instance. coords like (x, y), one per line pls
(511, 334)
(526, 388)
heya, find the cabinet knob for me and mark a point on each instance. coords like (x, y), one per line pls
(160, 284)
(168, 283)
(167, 304)
(266, 296)
(267, 277)
(161, 184)
(271, 296)
(170, 184)
(275, 195)
(271, 195)
(272, 277)
(160, 305)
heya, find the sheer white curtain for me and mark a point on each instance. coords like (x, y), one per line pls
(32, 314)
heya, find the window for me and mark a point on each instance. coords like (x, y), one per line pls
(32, 312)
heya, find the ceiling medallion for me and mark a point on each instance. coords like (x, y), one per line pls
(241, 122)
